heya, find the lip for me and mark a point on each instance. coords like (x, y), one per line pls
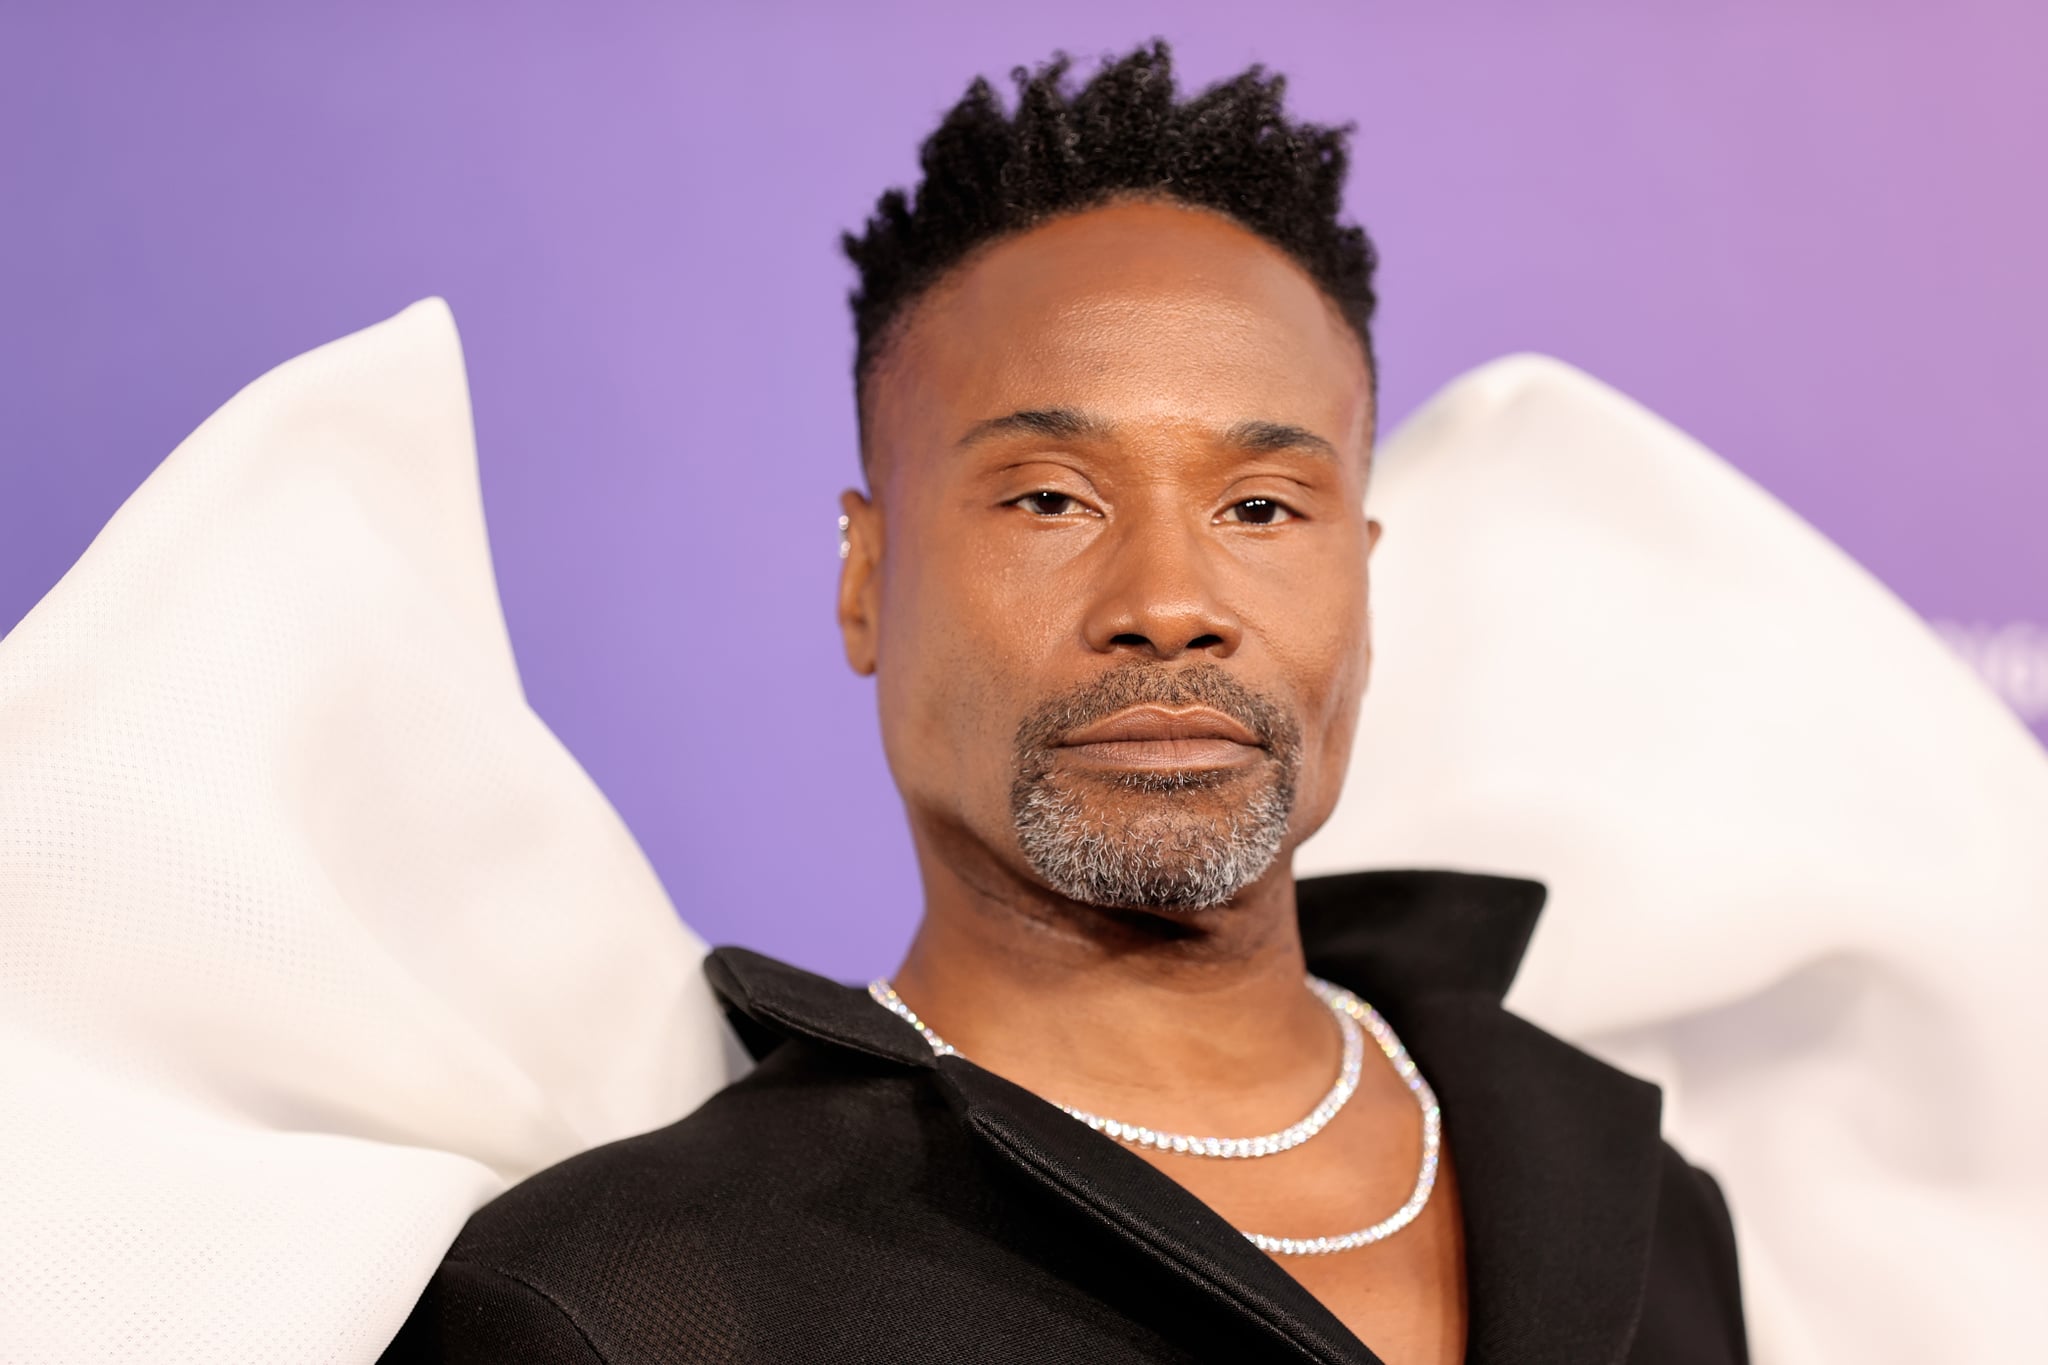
(1161, 724)
(1164, 737)
(1162, 755)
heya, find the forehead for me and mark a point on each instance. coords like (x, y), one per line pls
(1153, 315)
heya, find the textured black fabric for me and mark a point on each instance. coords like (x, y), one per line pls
(854, 1199)
(470, 1312)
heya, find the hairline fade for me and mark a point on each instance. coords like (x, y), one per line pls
(1124, 134)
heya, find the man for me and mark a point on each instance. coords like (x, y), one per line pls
(1116, 389)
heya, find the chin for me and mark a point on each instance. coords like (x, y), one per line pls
(1177, 848)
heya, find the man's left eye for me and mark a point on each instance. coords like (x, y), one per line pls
(1258, 512)
(1047, 503)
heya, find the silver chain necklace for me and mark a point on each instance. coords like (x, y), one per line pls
(1352, 1015)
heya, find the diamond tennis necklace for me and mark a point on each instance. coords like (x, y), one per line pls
(1352, 1015)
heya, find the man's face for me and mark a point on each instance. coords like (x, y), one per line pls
(1113, 577)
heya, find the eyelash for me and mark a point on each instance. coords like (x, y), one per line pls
(1026, 500)
(1285, 513)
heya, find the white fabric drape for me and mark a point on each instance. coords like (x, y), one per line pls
(312, 936)
(1798, 855)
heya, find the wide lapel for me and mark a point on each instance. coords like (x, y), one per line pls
(767, 1001)
(1154, 1216)
(1557, 1155)
(1558, 1160)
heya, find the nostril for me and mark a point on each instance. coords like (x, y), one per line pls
(1205, 642)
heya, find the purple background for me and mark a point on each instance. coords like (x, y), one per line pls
(1809, 233)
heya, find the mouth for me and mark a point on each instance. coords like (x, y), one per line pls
(1163, 738)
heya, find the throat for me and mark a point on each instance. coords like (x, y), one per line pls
(1113, 1020)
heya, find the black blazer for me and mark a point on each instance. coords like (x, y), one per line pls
(855, 1199)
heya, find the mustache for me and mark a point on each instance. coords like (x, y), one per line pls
(1140, 684)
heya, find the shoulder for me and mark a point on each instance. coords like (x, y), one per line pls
(472, 1313)
(806, 1122)
(651, 1247)
(1692, 1295)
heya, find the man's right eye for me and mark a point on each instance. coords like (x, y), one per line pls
(1048, 504)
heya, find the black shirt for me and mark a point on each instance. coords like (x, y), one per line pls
(854, 1198)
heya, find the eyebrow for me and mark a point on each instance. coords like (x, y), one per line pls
(1060, 424)
(1066, 424)
(1264, 438)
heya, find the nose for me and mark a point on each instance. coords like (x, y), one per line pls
(1158, 593)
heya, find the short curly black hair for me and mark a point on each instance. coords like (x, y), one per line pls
(1125, 133)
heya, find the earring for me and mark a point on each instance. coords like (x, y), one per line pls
(845, 541)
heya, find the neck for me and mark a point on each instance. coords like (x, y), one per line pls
(1199, 1018)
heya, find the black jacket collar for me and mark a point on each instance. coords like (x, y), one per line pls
(1390, 936)
(1557, 1155)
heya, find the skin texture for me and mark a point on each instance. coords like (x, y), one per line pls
(1194, 510)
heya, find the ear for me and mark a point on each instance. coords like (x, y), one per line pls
(860, 561)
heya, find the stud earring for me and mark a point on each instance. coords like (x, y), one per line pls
(845, 541)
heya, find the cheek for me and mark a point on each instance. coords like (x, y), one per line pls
(964, 635)
(1322, 651)
(964, 598)
(1329, 656)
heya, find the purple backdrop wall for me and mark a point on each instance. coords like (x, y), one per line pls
(1809, 233)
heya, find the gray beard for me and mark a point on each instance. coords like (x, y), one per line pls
(1163, 860)
(1179, 851)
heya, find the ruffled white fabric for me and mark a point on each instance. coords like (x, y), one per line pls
(1798, 855)
(312, 936)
